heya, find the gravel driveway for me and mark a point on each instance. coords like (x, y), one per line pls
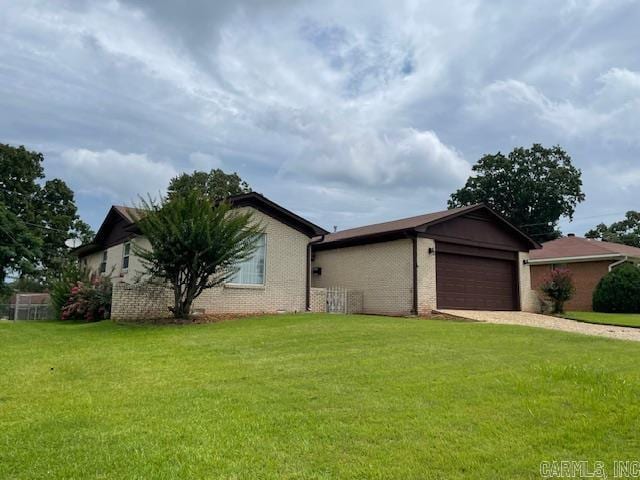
(545, 321)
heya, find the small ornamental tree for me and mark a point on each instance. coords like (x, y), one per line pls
(558, 288)
(195, 244)
(618, 291)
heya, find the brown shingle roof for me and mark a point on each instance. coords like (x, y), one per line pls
(566, 247)
(130, 213)
(393, 226)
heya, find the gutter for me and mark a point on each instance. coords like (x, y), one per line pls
(308, 282)
(584, 258)
(619, 262)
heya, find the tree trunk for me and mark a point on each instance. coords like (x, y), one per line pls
(182, 300)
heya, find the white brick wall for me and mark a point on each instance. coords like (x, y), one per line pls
(318, 300)
(529, 301)
(381, 271)
(114, 262)
(130, 302)
(426, 276)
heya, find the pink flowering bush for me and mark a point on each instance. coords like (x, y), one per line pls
(558, 288)
(88, 301)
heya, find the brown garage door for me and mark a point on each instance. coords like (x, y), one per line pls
(475, 283)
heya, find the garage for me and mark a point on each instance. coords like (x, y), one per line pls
(465, 258)
(472, 278)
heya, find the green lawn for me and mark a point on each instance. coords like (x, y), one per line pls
(311, 396)
(623, 319)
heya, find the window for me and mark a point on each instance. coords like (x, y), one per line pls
(251, 271)
(125, 255)
(103, 264)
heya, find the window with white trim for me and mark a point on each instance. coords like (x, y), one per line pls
(126, 249)
(103, 263)
(252, 271)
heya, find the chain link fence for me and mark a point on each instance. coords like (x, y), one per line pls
(26, 312)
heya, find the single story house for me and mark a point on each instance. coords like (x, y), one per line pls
(463, 258)
(274, 279)
(588, 260)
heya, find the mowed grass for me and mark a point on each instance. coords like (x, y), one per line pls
(622, 319)
(311, 396)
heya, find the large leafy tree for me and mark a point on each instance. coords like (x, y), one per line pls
(35, 218)
(625, 231)
(531, 187)
(20, 246)
(59, 221)
(195, 244)
(215, 184)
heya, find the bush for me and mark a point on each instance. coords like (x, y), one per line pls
(60, 289)
(90, 302)
(558, 288)
(618, 291)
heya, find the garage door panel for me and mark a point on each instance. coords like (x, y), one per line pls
(478, 283)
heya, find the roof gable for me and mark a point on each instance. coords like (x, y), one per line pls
(480, 227)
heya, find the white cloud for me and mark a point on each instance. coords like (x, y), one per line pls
(371, 159)
(119, 176)
(356, 100)
(204, 161)
(513, 97)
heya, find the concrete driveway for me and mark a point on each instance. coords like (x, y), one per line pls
(546, 321)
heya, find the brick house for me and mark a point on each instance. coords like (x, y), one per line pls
(463, 258)
(274, 279)
(588, 260)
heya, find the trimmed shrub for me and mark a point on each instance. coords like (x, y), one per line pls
(558, 288)
(618, 291)
(90, 302)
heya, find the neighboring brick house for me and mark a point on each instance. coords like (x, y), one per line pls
(273, 279)
(463, 258)
(588, 260)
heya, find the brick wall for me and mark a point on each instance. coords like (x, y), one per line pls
(114, 262)
(529, 301)
(586, 276)
(318, 300)
(284, 288)
(130, 302)
(426, 276)
(381, 271)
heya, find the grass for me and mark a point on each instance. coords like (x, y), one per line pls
(621, 319)
(311, 396)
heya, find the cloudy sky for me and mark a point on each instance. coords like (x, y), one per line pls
(345, 112)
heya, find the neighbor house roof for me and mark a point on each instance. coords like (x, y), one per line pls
(581, 249)
(126, 217)
(392, 229)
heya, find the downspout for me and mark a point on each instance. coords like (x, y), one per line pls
(414, 308)
(619, 262)
(308, 284)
